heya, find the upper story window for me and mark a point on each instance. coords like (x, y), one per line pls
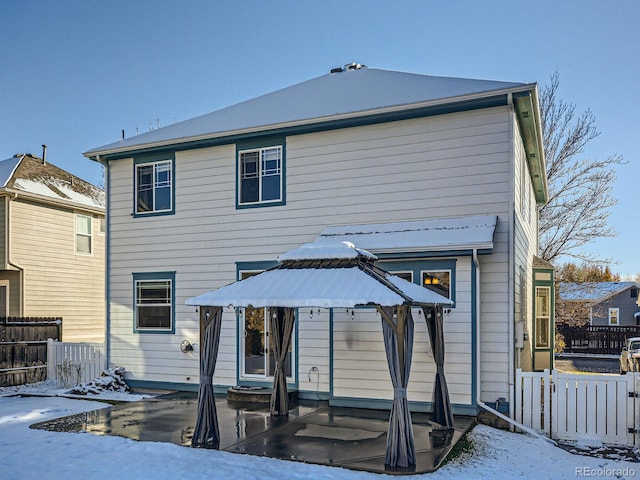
(260, 175)
(84, 234)
(154, 302)
(154, 187)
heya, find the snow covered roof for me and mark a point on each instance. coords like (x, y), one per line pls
(593, 291)
(461, 233)
(348, 94)
(29, 174)
(305, 278)
(328, 251)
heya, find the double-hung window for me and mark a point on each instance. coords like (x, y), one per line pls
(614, 316)
(83, 234)
(154, 187)
(260, 176)
(154, 302)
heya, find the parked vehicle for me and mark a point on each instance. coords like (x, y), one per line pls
(630, 356)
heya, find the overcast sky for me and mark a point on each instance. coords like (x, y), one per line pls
(74, 74)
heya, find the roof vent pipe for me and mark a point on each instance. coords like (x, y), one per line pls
(354, 66)
(44, 154)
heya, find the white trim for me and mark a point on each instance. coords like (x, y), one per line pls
(84, 235)
(5, 283)
(137, 326)
(154, 163)
(242, 375)
(615, 312)
(260, 173)
(438, 270)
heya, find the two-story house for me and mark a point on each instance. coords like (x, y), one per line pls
(52, 247)
(438, 177)
(602, 303)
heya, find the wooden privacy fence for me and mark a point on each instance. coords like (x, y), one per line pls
(70, 364)
(23, 348)
(596, 340)
(578, 407)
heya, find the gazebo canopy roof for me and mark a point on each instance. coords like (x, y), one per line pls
(324, 276)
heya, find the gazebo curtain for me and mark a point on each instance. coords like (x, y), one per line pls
(281, 327)
(441, 403)
(398, 342)
(206, 433)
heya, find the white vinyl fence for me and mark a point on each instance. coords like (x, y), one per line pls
(71, 364)
(580, 407)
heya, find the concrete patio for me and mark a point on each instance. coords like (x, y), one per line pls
(314, 432)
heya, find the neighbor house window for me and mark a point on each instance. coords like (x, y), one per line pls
(154, 302)
(260, 172)
(634, 292)
(614, 316)
(543, 317)
(83, 234)
(438, 281)
(154, 187)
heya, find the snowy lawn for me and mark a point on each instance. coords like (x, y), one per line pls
(37, 454)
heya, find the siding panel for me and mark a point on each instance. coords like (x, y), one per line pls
(454, 164)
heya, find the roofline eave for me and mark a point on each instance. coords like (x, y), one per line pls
(440, 248)
(528, 114)
(53, 201)
(133, 149)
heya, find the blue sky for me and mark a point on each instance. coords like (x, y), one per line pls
(74, 74)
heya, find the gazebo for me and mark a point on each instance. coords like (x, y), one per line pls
(330, 275)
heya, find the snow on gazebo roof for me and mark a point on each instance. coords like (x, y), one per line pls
(335, 275)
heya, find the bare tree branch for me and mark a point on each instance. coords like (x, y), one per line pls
(580, 189)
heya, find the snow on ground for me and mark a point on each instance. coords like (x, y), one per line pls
(39, 454)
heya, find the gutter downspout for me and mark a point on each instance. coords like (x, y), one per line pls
(107, 249)
(512, 268)
(479, 402)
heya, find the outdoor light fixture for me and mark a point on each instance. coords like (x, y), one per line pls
(431, 280)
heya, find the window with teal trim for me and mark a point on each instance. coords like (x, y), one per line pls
(154, 187)
(154, 295)
(260, 174)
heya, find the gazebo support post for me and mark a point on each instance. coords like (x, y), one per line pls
(398, 342)
(442, 414)
(206, 433)
(281, 323)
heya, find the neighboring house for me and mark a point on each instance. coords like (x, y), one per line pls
(52, 247)
(601, 303)
(439, 177)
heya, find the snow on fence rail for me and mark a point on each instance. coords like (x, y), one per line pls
(577, 407)
(70, 364)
